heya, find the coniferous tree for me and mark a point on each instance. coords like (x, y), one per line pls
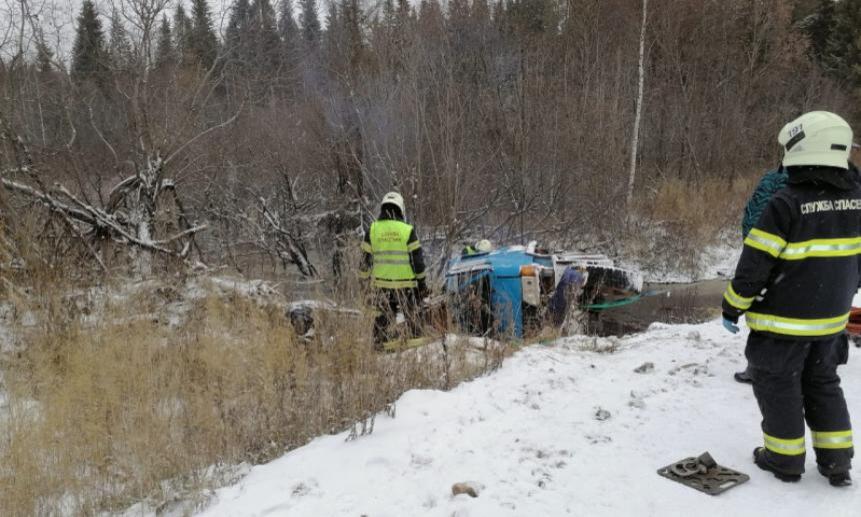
(289, 33)
(181, 31)
(164, 54)
(310, 23)
(390, 15)
(287, 27)
(333, 33)
(533, 17)
(202, 42)
(252, 40)
(458, 10)
(44, 58)
(236, 35)
(405, 22)
(404, 11)
(120, 49)
(819, 29)
(430, 19)
(290, 47)
(480, 13)
(386, 30)
(843, 55)
(263, 31)
(88, 53)
(499, 16)
(458, 25)
(351, 38)
(482, 27)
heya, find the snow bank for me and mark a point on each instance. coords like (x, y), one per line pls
(716, 261)
(566, 429)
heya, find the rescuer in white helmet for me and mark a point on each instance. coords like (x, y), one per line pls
(804, 254)
(394, 265)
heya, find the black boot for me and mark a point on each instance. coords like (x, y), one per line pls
(761, 461)
(743, 377)
(838, 479)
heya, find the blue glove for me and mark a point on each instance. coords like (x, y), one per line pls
(731, 327)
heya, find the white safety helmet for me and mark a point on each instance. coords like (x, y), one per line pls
(393, 198)
(483, 246)
(816, 138)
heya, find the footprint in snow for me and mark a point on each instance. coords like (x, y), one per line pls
(595, 439)
(304, 488)
(420, 461)
(378, 461)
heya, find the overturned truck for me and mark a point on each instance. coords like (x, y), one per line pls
(516, 290)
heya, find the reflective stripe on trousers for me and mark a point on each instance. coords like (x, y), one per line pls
(832, 439)
(792, 447)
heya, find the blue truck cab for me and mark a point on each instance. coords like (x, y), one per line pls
(505, 291)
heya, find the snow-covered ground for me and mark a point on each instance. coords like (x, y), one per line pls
(531, 438)
(716, 261)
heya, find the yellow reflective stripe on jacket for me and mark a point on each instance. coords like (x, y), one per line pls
(832, 439)
(736, 300)
(796, 327)
(366, 247)
(392, 253)
(822, 248)
(414, 245)
(394, 284)
(764, 241)
(792, 447)
(421, 275)
(396, 261)
(364, 274)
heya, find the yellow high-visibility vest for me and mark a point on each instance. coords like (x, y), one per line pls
(391, 249)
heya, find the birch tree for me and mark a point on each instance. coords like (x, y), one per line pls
(635, 136)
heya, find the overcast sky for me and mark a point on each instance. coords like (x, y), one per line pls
(58, 17)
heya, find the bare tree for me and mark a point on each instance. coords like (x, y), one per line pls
(512, 125)
(143, 155)
(635, 133)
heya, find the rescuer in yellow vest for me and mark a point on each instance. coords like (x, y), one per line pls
(482, 246)
(394, 264)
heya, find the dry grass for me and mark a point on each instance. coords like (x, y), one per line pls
(676, 221)
(704, 208)
(104, 413)
(109, 405)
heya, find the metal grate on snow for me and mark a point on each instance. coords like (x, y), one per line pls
(704, 474)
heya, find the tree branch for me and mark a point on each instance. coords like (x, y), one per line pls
(201, 135)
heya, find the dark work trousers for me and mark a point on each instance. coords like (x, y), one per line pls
(387, 303)
(797, 380)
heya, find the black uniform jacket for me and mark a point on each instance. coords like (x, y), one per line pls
(801, 263)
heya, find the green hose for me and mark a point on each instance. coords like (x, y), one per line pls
(613, 304)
